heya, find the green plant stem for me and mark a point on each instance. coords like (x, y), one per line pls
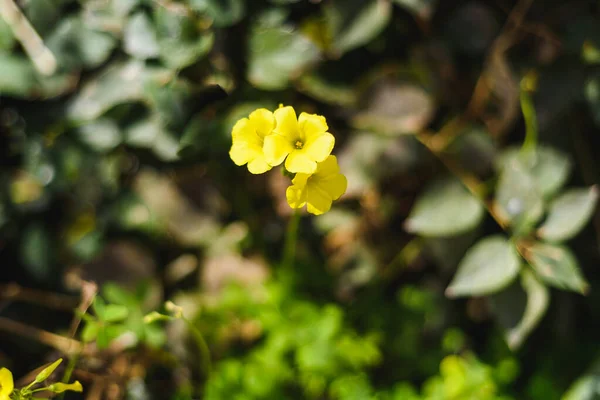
(291, 237)
(531, 129)
(202, 346)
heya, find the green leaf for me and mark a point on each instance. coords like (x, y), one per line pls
(556, 266)
(222, 12)
(568, 214)
(101, 135)
(36, 252)
(115, 312)
(17, 76)
(140, 37)
(179, 41)
(120, 83)
(99, 307)
(171, 102)
(354, 23)
(517, 198)
(7, 39)
(549, 168)
(76, 45)
(520, 308)
(117, 295)
(490, 265)
(445, 208)
(587, 387)
(277, 53)
(90, 331)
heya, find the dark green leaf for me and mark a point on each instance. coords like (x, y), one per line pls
(277, 54)
(179, 41)
(490, 265)
(222, 12)
(354, 23)
(36, 252)
(75, 45)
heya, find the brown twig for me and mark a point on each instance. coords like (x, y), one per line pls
(13, 291)
(63, 344)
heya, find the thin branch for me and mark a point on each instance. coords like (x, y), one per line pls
(64, 345)
(42, 58)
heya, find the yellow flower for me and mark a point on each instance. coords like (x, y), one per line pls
(248, 137)
(6, 384)
(304, 141)
(319, 189)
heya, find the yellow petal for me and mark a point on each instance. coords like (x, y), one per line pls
(6, 383)
(276, 148)
(296, 196)
(244, 131)
(319, 147)
(242, 152)
(259, 165)
(263, 121)
(312, 125)
(336, 186)
(300, 161)
(287, 124)
(328, 167)
(319, 201)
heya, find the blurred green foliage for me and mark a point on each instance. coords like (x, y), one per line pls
(460, 264)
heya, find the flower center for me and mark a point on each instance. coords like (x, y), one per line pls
(299, 144)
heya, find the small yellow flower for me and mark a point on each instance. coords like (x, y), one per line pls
(6, 384)
(304, 141)
(319, 189)
(248, 137)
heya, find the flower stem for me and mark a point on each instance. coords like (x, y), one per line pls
(291, 237)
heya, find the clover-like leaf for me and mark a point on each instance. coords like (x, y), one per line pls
(490, 265)
(556, 265)
(568, 214)
(445, 208)
(520, 307)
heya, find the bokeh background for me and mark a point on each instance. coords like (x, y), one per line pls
(460, 125)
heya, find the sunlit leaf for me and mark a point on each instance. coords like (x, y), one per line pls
(140, 37)
(490, 265)
(445, 208)
(102, 135)
(568, 214)
(556, 266)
